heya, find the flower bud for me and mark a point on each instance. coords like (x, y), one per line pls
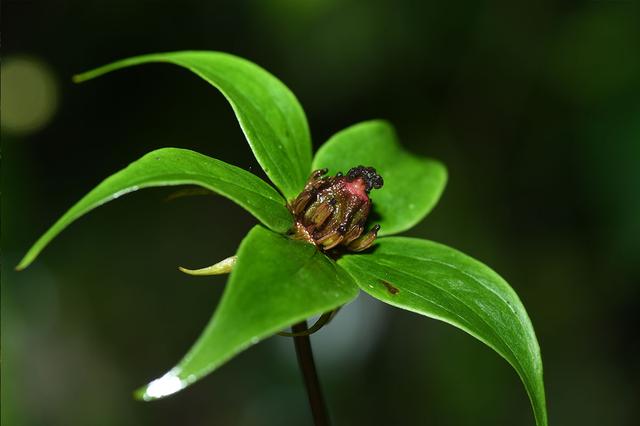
(333, 211)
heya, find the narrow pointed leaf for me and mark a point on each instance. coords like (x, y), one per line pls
(276, 282)
(225, 266)
(412, 184)
(271, 117)
(173, 166)
(442, 283)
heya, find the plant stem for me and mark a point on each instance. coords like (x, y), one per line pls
(310, 376)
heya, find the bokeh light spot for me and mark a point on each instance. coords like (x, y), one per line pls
(29, 95)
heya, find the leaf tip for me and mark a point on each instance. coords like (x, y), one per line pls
(88, 75)
(166, 385)
(139, 394)
(26, 261)
(80, 78)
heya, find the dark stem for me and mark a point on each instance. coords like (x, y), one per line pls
(310, 376)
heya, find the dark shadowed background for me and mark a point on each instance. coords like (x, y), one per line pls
(534, 106)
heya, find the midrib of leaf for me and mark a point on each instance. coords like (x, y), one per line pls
(471, 308)
(299, 147)
(186, 181)
(183, 179)
(244, 120)
(481, 283)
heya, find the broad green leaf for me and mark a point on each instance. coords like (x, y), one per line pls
(173, 166)
(276, 282)
(271, 117)
(442, 283)
(412, 184)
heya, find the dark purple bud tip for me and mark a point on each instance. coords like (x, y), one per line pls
(371, 178)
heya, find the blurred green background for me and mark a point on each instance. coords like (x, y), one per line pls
(534, 106)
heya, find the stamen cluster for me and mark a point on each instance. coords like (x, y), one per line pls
(333, 210)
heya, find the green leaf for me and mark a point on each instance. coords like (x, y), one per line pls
(271, 117)
(412, 184)
(276, 282)
(173, 166)
(442, 283)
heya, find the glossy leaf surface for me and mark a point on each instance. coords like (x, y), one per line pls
(271, 117)
(412, 184)
(173, 166)
(442, 283)
(275, 283)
